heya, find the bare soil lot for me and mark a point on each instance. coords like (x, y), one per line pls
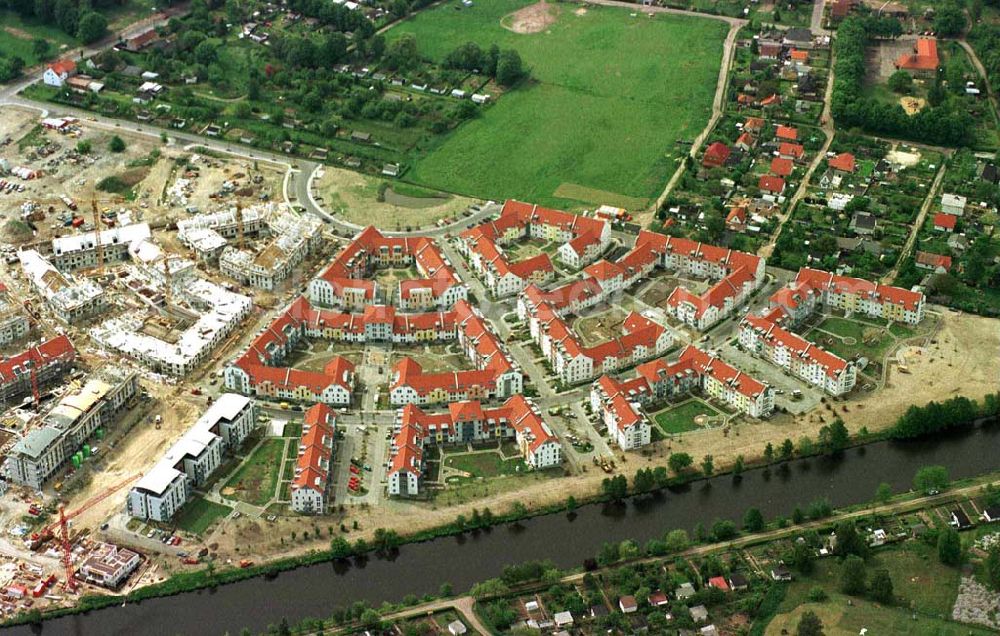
(531, 19)
(354, 198)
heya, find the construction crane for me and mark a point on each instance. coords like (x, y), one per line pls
(239, 224)
(166, 280)
(48, 532)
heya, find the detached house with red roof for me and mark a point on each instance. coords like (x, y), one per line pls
(766, 339)
(923, 61)
(786, 133)
(716, 155)
(771, 184)
(945, 222)
(844, 162)
(782, 167)
(58, 72)
(311, 482)
(937, 263)
(788, 150)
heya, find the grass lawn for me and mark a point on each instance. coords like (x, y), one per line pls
(874, 349)
(198, 514)
(484, 464)
(256, 479)
(680, 418)
(16, 35)
(919, 581)
(610, 95)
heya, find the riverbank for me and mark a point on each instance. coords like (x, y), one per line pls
(311, 585)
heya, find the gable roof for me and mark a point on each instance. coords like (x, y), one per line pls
(843, 162)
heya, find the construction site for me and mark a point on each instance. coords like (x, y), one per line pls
(127, 278)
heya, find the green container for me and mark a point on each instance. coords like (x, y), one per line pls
(86, 451)
(77, 461)
(99, 433)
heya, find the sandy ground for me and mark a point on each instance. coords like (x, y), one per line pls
(353, 197)
(963, 357)
(136, 452)
(912, 105)
(531, 19)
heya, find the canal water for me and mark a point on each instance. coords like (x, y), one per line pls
(565, 539)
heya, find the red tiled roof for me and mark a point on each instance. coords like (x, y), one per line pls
(782, 167)
(795, 151)
(786, 132)
(716, 155)
(934, 260)
(773, 184)
(924, 57)
(946, 221)
(843, 162)
(60, 67)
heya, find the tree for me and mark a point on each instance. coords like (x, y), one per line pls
(853, 575)
(809, 625)
(401, 54)
(769, 453)
(644, 480)
(724, 529)
(950, 547)
(881, 587)
(834, 438)
(116, 144)
(753, 520)
(883, 493)
(900, 82)
(803, 557)
(340, 548)
(849, 540)
(386, 541)
(92, 27)
(510, 68)
(787, 448)
(679, 462)
(708, 465)
(489, 587)
(677, 540)
(83, 146)
(931, 480)
(949, 20)
(738, 466)
(66, 15)
(40, 48)
(615, 487)
(205, 53)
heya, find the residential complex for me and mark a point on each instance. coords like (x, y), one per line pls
(814, 289)
(311, 484)
(13, 322)
(347, 282)
(463, 423)
(192, 459)
(77, 251)
(766, 338)
(619, 402)
(293, 237)
(583, 239)
(109, 565)
(495, 375)
(77, 416)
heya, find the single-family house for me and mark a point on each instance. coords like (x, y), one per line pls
(938, 263)
(58, 72)
(945, 222)
(628, 604)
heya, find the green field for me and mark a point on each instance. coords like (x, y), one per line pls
(680, 418)
(257, 478)
(198, 514)
(919, 581)
(16, 35)
(608, 97)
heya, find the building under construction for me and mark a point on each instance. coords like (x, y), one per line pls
(294, 236)
(27, 372)
(13, 322)
(71, 299)
(95, 249)
(83, 412)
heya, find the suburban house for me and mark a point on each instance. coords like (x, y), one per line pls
(923, 61)
(844, 162)
(945, 222)
(58, 72)
(716, 155)
(953, 204)
(937, 263)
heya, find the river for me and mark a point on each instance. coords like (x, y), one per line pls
(566, 540)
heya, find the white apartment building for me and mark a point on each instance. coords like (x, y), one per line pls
(189, 463)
